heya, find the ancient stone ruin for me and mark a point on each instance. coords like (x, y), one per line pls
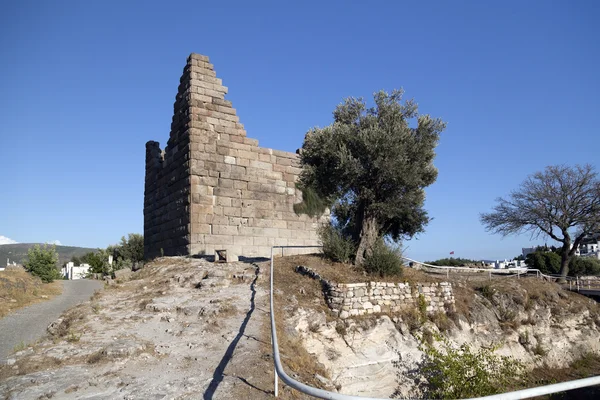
(213, 188)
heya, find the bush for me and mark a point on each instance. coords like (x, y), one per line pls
(580, 266)
(453, 262)
(42, 262)
(547, 262)
(336, 247)
(463, 373)
(385, 261)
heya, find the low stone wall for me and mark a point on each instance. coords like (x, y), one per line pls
(351, 299)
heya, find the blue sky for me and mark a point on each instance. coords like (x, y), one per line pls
(83, 86)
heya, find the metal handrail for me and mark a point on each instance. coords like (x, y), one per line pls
(324, 394)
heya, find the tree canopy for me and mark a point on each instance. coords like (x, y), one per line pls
(43, 262)
(561, 202)
(371, 167)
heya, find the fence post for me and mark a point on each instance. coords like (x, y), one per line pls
(275, 383)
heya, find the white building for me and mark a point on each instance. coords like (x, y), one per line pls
(509, 264)
(589, 247)
(70, 271)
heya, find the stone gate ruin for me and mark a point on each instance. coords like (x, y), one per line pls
(213, 188)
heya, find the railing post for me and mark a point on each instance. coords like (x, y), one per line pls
(275, 380)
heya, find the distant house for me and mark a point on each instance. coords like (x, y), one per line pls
(71, 271)
(589, 247)
(509, 264)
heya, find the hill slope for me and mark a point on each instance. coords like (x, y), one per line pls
(18, 252)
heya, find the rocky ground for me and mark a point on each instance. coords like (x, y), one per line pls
(185, 328)
(180, 328)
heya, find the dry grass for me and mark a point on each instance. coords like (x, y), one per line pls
(586, 366)
(20, 289)
(293, 291)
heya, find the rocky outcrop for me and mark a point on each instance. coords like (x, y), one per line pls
(377, 355)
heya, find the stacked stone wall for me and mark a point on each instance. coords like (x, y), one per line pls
(352, 299)
(224, 192)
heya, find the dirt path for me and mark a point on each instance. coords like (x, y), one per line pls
(180, 329)
(29, 324)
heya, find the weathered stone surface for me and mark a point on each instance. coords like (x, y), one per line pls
(207, 169)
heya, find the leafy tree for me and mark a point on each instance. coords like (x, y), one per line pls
(97, 260)
(584, 266)
(132, 248)
(555, 202)
(42, 262)
(548, 262)
(372, 167)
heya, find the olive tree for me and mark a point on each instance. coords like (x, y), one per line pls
(371, 167)
(561, 202)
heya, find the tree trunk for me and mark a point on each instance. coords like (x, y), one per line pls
(565, 257)
(368, 236)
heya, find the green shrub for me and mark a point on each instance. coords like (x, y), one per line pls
(42, 262)
(580, 266)
(385, 261)
(453, 262)
(547, 262)
(455, 373)
(336, 247)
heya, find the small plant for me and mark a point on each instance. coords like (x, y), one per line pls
(422, 306)
(463, 372)
(442, 321)
(384, 261)
(412, 318)
(314, 327)
(96, 308)
(73, 337)
(336, 247)
(524, 338)
(341, 328)
(487, 291)
(508, 318)
(19, 347)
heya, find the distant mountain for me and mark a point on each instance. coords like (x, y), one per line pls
(18, 252)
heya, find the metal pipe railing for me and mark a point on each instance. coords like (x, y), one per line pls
(324, 394)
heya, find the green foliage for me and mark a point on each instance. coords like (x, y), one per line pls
(455, 373)
(125, 254)
(422, 307)
(584, 266)
(336, 247)
(384, 261)
(548, 262)
(131, 249)
(453, 262)
(487, 291)
(371, 167)
(43, 262)
(312, 204)
(97, 260)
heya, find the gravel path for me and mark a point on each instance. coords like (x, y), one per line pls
(29, 324)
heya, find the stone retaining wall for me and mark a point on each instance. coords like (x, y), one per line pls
(351, 299)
